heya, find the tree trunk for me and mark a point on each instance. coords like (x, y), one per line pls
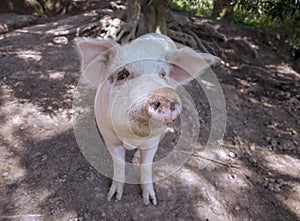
(223, 9)
(144, 16)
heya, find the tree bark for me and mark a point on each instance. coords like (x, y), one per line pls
(224, 10)
(144, 16)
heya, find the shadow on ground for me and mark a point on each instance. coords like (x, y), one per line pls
(44, 176)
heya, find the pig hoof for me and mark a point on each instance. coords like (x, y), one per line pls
(116, 188)
(149, 194)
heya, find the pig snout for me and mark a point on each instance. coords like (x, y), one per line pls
(164, 105)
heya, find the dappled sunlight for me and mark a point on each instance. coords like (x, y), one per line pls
(211, 204)
(59, 75)
(190, 177)
(233, 173)
(292, 201)
(11, 170)
(33, 198)
(23, 112)
(282, 70)
(255, 101)
(13, 148)
(44, 175)
(282, 163)
(60, 30)
(61, 40)
(11, 34)
(29, 55)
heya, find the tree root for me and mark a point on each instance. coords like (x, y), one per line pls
(209, 31)
(127, 32)
(198, 40)
(124, 32)
(110, 27)
(244, 44)
(203, 37)
(182, 37)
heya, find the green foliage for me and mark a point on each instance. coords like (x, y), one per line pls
(281, 17)
(193, 7)
(278, 16)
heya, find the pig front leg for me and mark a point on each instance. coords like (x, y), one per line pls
(146, 161)
(118, 155)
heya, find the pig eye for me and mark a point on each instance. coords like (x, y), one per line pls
(162, 73)
(122, 75)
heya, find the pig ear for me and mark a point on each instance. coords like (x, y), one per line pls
(96, 56)
(187, 64)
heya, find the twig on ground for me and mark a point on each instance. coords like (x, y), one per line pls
(216, 161)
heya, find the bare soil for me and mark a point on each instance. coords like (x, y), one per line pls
(44, 175)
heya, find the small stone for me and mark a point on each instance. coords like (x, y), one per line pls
(281, 182)
(253, 160)
(233, 176)
(237, 208)
(231, 154)
(277, 188)
(161, 174)
(44, 157)
(100, 195)
(63, 179)
(268, 139)
(293, 132)
(273, 142)
(5, 174)
(252, 147)
(271, 187)
(61, 40)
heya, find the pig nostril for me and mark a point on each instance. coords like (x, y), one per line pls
(172, 106)
(155, 105)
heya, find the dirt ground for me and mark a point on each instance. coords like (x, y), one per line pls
(44, 176)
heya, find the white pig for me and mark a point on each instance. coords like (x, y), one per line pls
(136, 96)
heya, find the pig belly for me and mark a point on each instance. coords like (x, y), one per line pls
(141, 143)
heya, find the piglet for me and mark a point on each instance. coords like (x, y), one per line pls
(136, 97)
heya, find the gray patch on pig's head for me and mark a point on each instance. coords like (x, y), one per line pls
(107, 57)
